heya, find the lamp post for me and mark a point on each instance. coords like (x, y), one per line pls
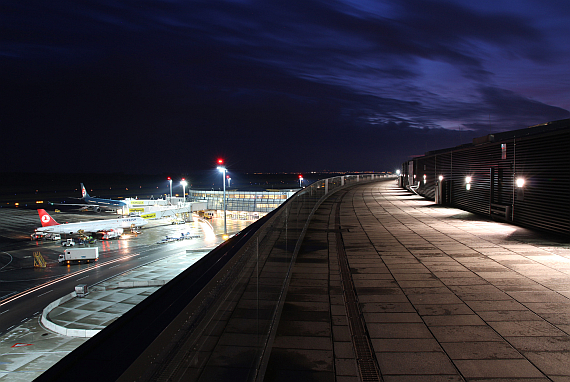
(229, 180)
(170, 181)
(223, 170)
(300, 181)
(183, 182)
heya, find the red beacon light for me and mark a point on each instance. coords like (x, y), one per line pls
(220, 161)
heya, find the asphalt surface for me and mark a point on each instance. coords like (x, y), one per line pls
(25, 290)
(27, 348)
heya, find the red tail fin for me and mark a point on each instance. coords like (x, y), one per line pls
(46, 219)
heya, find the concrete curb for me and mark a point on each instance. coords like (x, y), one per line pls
(87, 333)
(83, 333)
(139, 284)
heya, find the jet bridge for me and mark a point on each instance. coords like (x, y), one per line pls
(162, 211)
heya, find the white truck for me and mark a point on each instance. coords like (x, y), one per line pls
(79, 255)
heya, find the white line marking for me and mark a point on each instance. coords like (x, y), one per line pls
(49, 291)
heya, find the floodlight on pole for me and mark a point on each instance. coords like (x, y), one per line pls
(184, 183)
(223, 170)
(170, 181)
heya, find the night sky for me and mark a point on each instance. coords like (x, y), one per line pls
(296, 85)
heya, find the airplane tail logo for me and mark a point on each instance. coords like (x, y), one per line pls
(46, 219)
(83, 191)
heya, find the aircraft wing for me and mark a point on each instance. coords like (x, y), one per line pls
(88, 207)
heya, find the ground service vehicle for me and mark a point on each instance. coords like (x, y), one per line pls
(110, 234)
(68, 243)
(79, 255)
(81, 290)
(38, 236)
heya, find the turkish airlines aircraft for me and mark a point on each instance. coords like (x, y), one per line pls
(95, 204)
(50, 225)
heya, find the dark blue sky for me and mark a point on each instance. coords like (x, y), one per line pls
(294, 85)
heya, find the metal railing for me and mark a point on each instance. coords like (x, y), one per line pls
(240, 308)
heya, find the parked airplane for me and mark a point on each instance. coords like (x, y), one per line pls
(50, 225)
(96, 204)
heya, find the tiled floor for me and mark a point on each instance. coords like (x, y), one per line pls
(445, 295)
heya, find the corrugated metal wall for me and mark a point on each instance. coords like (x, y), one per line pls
(542, 160)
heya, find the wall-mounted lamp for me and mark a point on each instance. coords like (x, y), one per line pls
(425, 178)
(440, 178)
(467, 183)
(520, 189)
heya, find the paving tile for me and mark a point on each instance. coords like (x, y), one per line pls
(304, 328)
(303, 342)
(446, 309)
(411, 273)
(378, 294)
(557, 318)
(464, 333)
(231, 355)
(484, 306)
(405, 345)
(341, 333)
(420, 284)
(439, 298)
(423, 363)
(541, 344)
(526, 329)
(392, 317)
(510, 315)
(480, 350)
(498, 368)
(307, 360)
(546, 307)
(394, 307)
(398, 330)
(551, 363)
(346, 366)
(539, 297)
(456, 319)
(423, 378)
(343, 349)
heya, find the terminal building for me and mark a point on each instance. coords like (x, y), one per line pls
(521, 176)
(247, 205)
(242, 205)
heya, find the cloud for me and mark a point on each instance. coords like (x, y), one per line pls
(281, 83)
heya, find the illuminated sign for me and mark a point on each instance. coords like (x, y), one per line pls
(137, 202)
(149, 216)
(136, 209)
